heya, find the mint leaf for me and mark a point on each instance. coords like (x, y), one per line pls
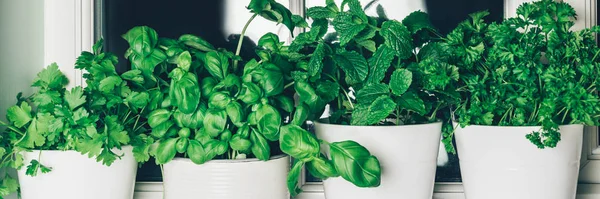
(400, 82)
(75, 98)
(379, 64)
(398, 38)
(315, 65)
(347, 27)
(371, 92)
(412, 101)
(319, 12)
(417, 21)
(369, 114)
(19, 115)
(354, 65)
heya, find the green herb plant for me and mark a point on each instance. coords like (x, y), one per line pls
(207, 103)
(92, 121)
(530, 70)
(372, 71)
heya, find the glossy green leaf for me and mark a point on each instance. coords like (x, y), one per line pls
(347, 28)
(142, 40)
(298, 143)
(355, 164)
(260, 146)
(217, 64)
(215, 121)
(184, 61)
(157, 117)
(319, 12)
(322, 168)
(269, 121)
(235, 112)
(197, 153)
(166, 151)
(196, 42)
(411, 101)
(250, 93)
(371, 92)
(417, 21)
(187, 93)
(182, 144)
(239, 143)
(315, 65)
(293, 178)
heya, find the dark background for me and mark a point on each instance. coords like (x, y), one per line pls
(204, 18)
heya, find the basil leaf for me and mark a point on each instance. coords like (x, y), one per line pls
(217, 64)
(239, 143)
(322, 168)
(187, 93)
(158, 117)
(293, 177)
(298, 143)
(355, 164)
(166, 150)
(142, 40)
(196, 42)
(215, 122)
(269, 121)
(260, 147)
(236, 113)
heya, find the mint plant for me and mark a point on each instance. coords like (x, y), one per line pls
(371, 71)
(530, 70)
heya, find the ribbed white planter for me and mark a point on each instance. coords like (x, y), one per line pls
(227, 179)
(75, 176)
(407, 155)
(499, 163)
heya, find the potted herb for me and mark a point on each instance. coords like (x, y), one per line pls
(383, 92)
(527, 88)
(216, 119)
(52, 132)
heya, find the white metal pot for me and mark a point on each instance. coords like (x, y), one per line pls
(498, 162)
(407, 155)
(75, 176)
(227, 179)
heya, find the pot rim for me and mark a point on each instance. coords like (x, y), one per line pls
(457, 125)
(70, 150)
(322, 122)
(226, 161)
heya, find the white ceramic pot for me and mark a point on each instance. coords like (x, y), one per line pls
(227, 179)
(75, 176)
(498, 162)
(407, 155)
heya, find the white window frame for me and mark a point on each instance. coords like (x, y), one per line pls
(69, 30)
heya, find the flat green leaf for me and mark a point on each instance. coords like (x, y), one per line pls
(260, 146)
(19, 115)
(372, 113)
(398, 38)
(354, 65)
(50, 78)
(239, 143)
(134, 75)
(293, 177)
(371, 92)
(301, 114)
(235, 112)
(355, 164)
(137, 99)
(298, 143)
(347, 27)
(108, 84)
(322, 168)
(379, 64)
(400, 81)
(35, 166)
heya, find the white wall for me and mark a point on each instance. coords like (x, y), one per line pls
(21, 48)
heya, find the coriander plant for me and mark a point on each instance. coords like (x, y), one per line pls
(530, 70)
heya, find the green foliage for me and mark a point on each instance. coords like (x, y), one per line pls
(530, 70)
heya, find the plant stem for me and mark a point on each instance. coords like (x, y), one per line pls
(288, 85)
(11, 128)
(241, 40)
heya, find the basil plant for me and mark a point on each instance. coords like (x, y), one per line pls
(529, 70)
